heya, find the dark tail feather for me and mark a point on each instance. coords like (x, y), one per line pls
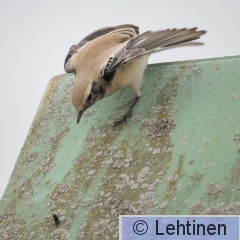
(152, 41)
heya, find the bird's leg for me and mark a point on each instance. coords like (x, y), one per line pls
(128, 114)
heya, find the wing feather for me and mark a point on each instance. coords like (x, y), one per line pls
(147, 43)
(98, 33)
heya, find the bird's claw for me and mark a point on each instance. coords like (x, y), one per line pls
(123, 119)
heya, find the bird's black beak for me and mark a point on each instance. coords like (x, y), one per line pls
(79, 115)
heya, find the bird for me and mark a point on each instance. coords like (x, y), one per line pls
(113, 58)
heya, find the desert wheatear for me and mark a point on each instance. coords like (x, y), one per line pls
(113, 58)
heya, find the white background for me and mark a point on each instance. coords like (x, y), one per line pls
(35, 37)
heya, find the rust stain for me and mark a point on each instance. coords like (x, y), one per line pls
(173, 181)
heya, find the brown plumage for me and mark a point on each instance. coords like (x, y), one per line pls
(113, 58)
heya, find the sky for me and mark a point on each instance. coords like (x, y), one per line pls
(35, 37)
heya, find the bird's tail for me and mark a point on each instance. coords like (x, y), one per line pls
(150, 42)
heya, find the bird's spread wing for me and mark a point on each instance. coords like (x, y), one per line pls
(147, 43)
(74, 48)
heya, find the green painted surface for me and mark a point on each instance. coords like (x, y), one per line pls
(178, 154)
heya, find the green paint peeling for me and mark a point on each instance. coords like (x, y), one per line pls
(178, 154)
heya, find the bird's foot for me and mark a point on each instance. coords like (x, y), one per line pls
(128, 114)
(123, 119)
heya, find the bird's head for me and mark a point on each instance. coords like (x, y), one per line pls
(91, 99)
(83, 98)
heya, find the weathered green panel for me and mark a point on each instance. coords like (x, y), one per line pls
(178, 154)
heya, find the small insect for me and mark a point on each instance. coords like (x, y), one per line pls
(56, 219)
